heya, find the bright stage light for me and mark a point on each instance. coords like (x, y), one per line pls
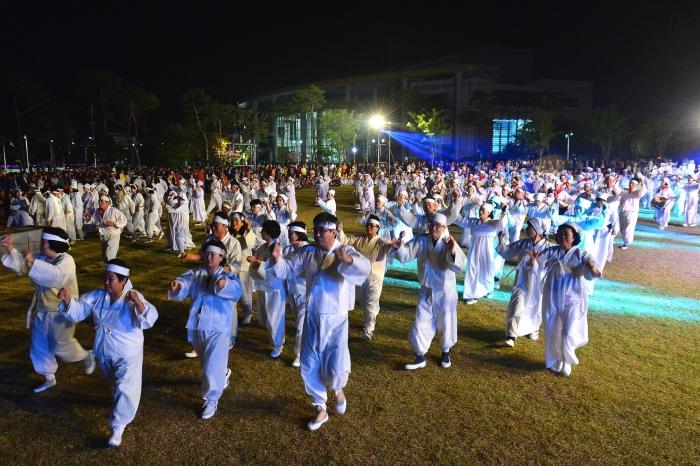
(377, 122)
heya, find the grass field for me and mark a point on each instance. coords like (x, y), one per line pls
(634, 399)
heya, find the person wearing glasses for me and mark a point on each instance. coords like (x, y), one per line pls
(439, 258)
(332, 272)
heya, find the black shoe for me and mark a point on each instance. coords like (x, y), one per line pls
(417, 363)
(446, 360)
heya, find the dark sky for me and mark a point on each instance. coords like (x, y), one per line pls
(640, 55)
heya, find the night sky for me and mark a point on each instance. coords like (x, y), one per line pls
(642, 56)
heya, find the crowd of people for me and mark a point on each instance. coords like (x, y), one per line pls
(255, 244)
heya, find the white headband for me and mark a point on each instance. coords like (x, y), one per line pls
(372, 221)
(297, 229)
(104, 198)
(218, 219)
(50, 237)
(117, 269)
(327, 225)
(215, 249)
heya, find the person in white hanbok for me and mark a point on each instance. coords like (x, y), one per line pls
(470, 209)
(327, 205)
(387, 220)
(524, 314)
(37, 208)
(439, 258)
(52, 336)
(375, 248)
(284, 217)
(55, 215)
(272, 295)
(296, 286)
(211, 290)
(199, 211)
(289, 190)
(242, 231)
(332, 272)
(125, 205)
(663, 202)
(629, 210)
(564, 297)
(137, 219)
(691, 203)
(110, 222)
(120, 314)
(479, 277)
(179, 224)
(78, 211)
(215, 200)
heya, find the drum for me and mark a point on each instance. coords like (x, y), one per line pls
(659, 202)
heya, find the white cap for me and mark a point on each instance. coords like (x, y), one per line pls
(440, 218)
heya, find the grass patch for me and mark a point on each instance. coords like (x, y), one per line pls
(633, 400)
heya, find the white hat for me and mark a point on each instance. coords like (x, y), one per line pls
(539, 197)
(440, 218)
(538, 224)
(332, 192)
(104, 198)
(487, 207)
(603, 196)
(284, 198)
(382, 199)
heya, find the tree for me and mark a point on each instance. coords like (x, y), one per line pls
(309, 101)
(27, 96)
(178, 144)
(340, 128)
(659, 131)
(198, 106)
(52, 126)
(606, 128)
(432, 123)
(536, 135)
(134, 102)
(103, 88)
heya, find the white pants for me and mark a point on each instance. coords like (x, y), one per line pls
(325, 357)
(271, 314)
(152, 224)
(137, 223)
(52, 335)
(560, 328)
(70, 226)
(78, 222)
(124, 379)
(628, 223)
(212, 352)
(522, 319)
(214, 201)
(110, 247)
(297, 304)
(368, 294)
(436, 313)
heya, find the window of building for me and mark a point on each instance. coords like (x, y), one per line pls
(504, 133)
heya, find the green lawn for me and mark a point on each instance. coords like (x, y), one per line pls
(634, 399)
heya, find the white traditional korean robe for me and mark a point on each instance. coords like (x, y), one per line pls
(209, 324)
(437, 303)
(524, 314)
(272, 296)
(564, 302)
(118, 345)
(691, 204)
(296, 297)
(479, 277)
(330, 294)
(629, 212)
(51, 335)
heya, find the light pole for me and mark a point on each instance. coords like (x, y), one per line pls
(377, 122)
(26, 150)
(354, 152)
(568, 140)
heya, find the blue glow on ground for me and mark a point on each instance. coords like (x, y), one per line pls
(609, 297)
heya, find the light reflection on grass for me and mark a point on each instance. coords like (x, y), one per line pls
(610, 297)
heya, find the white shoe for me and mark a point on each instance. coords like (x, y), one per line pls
(557, 366)
(313, 425)
(149, 240)
(179, 255)
(497, 285)
(116, 439)
(228, 376)
(161, 235)
(418, 363)
(208, 410)
(296, 362)
(471, 301)
(246, 320)
(276, 352)
(685, 224)
(566, 369)
(231, 343)
(89, 363)
(510, 342)
(367, 336)
(535, 335)
(136, 238)
(489, 295)
(191, 354)
(46, 385)
(341, 406)
(624, 246)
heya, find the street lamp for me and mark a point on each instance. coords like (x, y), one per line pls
(377, 122)
(568, 140)
(26, 150)
(354, 152)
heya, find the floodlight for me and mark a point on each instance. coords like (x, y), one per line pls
(377, 122)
